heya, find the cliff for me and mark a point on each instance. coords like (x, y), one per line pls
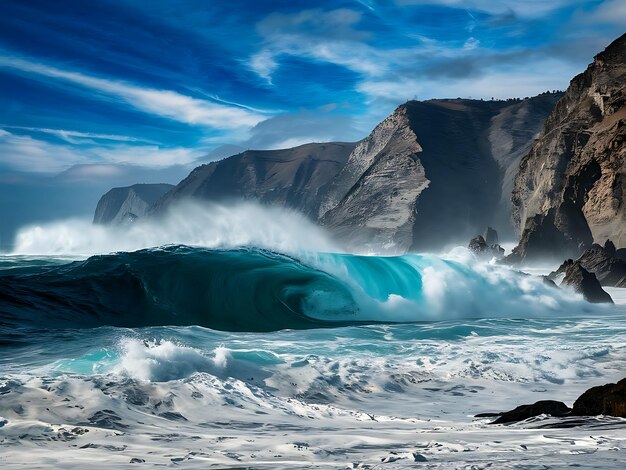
(569, 190)
(294, 178)
(433, 174)
(123, 205)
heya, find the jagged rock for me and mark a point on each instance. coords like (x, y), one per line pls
(522, 412)
(584, 282)
(607, 399)
(125, 205)
(608, 269)
(576, 169)
(491, 236)
(479, 246)
(609, 248)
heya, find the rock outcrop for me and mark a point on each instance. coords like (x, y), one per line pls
(479, 246)
(602, 262)
(610, 270)
(584, 282)
(573, 179)
(124, 205)
(607, 399)
(543, 407)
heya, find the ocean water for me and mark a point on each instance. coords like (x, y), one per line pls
(270, 355)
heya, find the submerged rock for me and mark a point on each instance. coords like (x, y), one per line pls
(607, 399)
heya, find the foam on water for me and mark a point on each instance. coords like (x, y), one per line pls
(316, 397)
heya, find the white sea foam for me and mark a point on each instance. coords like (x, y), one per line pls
(380, 395)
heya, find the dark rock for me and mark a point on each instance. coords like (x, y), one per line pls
(607, 399)
(136, 460)
(541, 240)
(479, 246)
(491, 236)
(609, 248)
(608, 269)
(522, 412)
(621, 254)
(584, 282)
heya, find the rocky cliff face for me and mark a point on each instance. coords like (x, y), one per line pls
(123, 205)
(294, 178)
(571, 183)
(433, 174)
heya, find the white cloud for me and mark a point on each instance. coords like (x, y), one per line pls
(164, 103)
(609, 12)
(523, 81)
(526, 8)
(24, 153)
(76, 136)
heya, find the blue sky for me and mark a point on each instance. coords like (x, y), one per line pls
(94, 87)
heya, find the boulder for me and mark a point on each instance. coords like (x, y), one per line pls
(543, 407)
(607, 399)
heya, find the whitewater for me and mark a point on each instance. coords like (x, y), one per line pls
(243, 337)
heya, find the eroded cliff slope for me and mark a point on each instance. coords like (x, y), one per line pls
(569, 190)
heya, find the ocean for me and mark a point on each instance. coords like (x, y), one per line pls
(240, 355)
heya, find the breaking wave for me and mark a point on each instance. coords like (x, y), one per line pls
(251, 289)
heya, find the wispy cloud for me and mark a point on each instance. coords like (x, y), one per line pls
(527, 8)
(165, 103)
(75, 137)
(28, 154)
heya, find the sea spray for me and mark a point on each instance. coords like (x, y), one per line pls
(208, 225)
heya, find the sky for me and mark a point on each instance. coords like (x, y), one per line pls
(101, 93)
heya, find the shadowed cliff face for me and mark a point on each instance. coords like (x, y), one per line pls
(433, 174)
(577, 167)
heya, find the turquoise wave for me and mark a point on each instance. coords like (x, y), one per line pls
(257, 290)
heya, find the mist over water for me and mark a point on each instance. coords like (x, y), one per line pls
(187, 223)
